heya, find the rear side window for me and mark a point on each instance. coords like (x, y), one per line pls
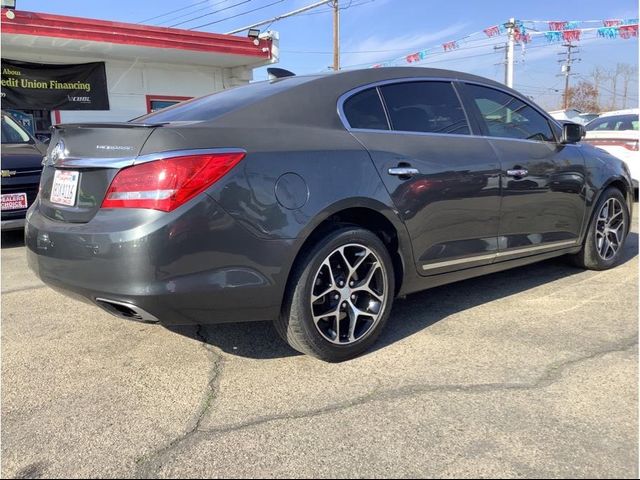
(614, 122)
(509, 117)
(429, 107)
(365, 110)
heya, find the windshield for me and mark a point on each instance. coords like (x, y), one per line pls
(614, 122)
(12, 132)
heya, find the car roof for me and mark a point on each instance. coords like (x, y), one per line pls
(363, 76)
(312, 99)
(628, 111)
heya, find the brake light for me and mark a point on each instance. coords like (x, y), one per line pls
(168, 183)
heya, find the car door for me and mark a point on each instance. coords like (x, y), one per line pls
(443, 180)
(543, 204)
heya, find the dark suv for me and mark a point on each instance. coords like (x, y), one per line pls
(21, 167)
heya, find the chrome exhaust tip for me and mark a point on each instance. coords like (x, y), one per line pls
(126, 310)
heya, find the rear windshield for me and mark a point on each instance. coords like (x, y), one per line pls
(614, 122)
(219, 103)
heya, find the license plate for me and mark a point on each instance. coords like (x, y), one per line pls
(13, 201)
(65, 186)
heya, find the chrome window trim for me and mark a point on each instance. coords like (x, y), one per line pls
(121, 162)
(402, 132)
(384, 108)
(502, 253)
(453, 80)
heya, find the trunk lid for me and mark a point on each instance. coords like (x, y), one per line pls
(96, 152)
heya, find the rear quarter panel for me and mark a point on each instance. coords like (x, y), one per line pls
(331, 169)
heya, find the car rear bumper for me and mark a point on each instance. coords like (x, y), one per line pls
(191, 266)
(13, 224)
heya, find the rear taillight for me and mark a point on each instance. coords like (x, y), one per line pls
(633, 145)
(168, 183)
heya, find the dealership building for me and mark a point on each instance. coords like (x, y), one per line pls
(67, 69)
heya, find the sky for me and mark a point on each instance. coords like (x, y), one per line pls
(376, 31)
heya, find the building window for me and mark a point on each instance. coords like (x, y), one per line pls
(158, 102)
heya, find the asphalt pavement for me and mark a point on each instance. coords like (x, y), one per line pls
(531, 373)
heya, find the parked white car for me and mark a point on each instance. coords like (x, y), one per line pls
(617, 133)
(573, 115)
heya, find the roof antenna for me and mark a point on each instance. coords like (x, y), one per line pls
(279, 73)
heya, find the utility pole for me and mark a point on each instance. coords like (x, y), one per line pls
(508, 52)
(566, 70)
(336, 36)
(511, 30)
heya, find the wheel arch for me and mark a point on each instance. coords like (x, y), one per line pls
(365, 213)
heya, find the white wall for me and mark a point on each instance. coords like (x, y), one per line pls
(129, 83)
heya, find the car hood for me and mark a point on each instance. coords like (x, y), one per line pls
(22, 157)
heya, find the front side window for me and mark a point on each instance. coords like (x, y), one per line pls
(12, 132)
(428, 107)
(365, 110)
(509, 117)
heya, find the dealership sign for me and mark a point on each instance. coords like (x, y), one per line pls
(40, 86)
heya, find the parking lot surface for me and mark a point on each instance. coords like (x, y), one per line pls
(531, 372)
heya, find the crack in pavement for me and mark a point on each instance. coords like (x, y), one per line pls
(150, 462)
(22, 289)
(551, 375)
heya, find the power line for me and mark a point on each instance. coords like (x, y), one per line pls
(238, 15)
(211, 13)
(208, 7)
(175, 11)
(282, 16)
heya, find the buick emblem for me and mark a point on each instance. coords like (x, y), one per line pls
(57, 152)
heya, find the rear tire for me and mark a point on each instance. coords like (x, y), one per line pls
(607, 233)
(339, 296)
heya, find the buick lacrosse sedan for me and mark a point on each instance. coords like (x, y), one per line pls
(314, 201)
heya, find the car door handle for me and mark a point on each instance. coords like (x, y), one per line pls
(404, 171)
(518, 172)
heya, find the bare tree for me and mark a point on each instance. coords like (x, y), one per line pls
(599, 76)
(583, 97)
(628, 73)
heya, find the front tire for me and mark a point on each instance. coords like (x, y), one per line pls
(339, 296)
(608, 229)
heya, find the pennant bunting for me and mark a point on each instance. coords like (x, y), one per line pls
(492, 31)
(571, 35)
(450, 46)
(556, 26)
(553, 36)
(628, 31)
(568, 31)
(608, 32)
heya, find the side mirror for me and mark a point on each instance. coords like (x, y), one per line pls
(572, 133)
